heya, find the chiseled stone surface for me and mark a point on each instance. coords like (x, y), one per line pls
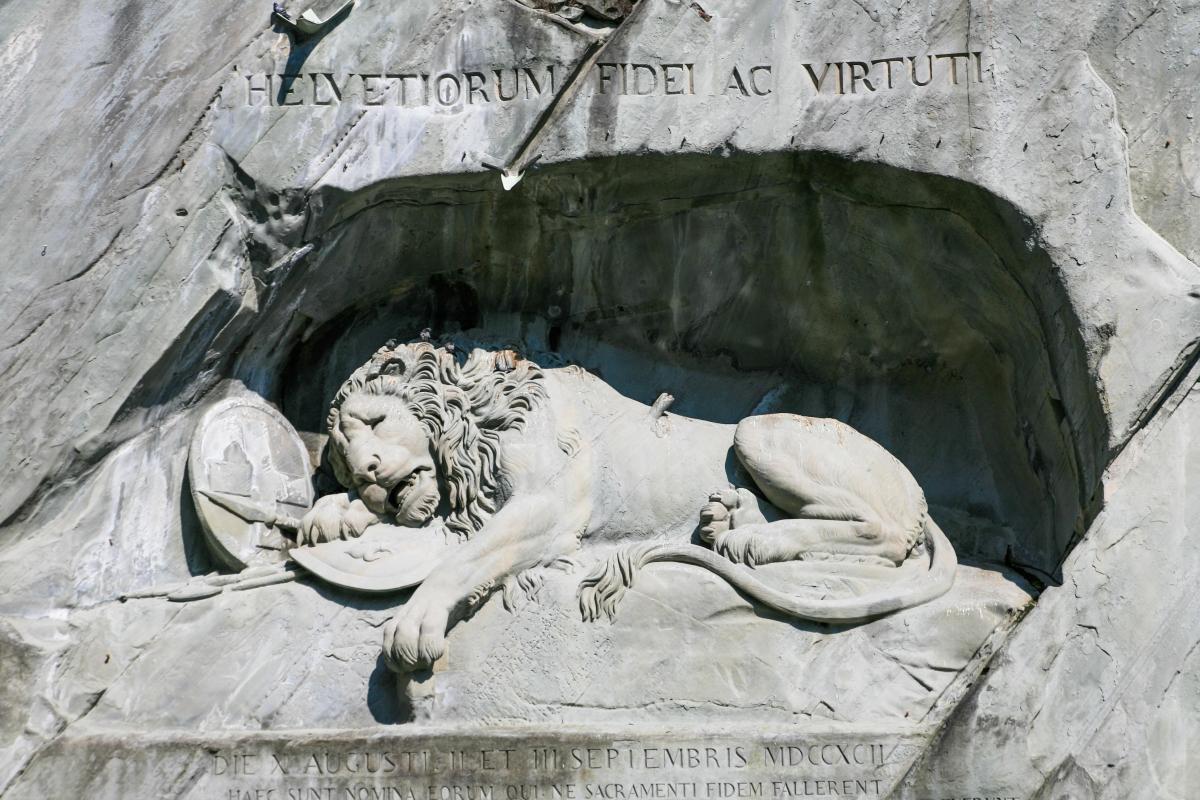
(988, 274)
(1094, 696)
(686, 648)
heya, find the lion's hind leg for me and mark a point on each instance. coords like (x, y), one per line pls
(802, 539)
(813, 470)
(735, 528)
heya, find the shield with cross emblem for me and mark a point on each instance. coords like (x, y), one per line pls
(244, 452)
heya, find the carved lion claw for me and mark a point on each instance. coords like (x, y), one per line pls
(415, 637)
(740, 547)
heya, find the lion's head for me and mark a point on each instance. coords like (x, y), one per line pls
(415, 420)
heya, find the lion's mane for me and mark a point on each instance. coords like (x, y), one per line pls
(463, 406)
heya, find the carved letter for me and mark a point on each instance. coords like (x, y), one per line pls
(337, 90)
(855, 77)
(912, 71)
(404, 78)
(265, 90)
(637, 79)
(954, 57)
(754, 80)
(735, 82)
(604, 76)
(888, 62)
(532, 81)
(288, 94)
(472, 77)
(499, 73)
(813, 75)
(449, 90)
(671, 83)
(374, 94)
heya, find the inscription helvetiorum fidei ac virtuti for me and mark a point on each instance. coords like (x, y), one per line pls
(598, 400)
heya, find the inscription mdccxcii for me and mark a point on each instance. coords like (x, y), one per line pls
(628, 771)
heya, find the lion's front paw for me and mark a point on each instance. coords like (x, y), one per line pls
(333, 517)
(323, 522)
(415, 637)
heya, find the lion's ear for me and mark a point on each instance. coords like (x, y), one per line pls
(394, 366)
(506, 360)
(387, 361)
(332, 455)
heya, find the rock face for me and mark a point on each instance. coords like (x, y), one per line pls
(965, 231)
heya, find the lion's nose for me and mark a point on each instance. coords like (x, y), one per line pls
(369, 467)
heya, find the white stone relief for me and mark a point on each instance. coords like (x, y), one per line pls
(466, 469)
(968, 231)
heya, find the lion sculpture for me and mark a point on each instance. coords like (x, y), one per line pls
(524, 463)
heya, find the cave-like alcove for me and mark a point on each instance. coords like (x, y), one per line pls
(919, 309)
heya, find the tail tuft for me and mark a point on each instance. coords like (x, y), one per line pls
(600, 592)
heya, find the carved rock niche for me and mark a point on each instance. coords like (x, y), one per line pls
(917, 309)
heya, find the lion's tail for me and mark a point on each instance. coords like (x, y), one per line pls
(601, 591)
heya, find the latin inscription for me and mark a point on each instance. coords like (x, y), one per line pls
(428, 88)
(882, 74)
(645, 79)
(625, 772)
(406, 89)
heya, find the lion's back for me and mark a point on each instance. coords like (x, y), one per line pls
(649, 475)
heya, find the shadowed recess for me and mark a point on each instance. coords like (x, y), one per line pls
(918, 309)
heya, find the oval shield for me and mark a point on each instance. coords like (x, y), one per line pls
(250, 475)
